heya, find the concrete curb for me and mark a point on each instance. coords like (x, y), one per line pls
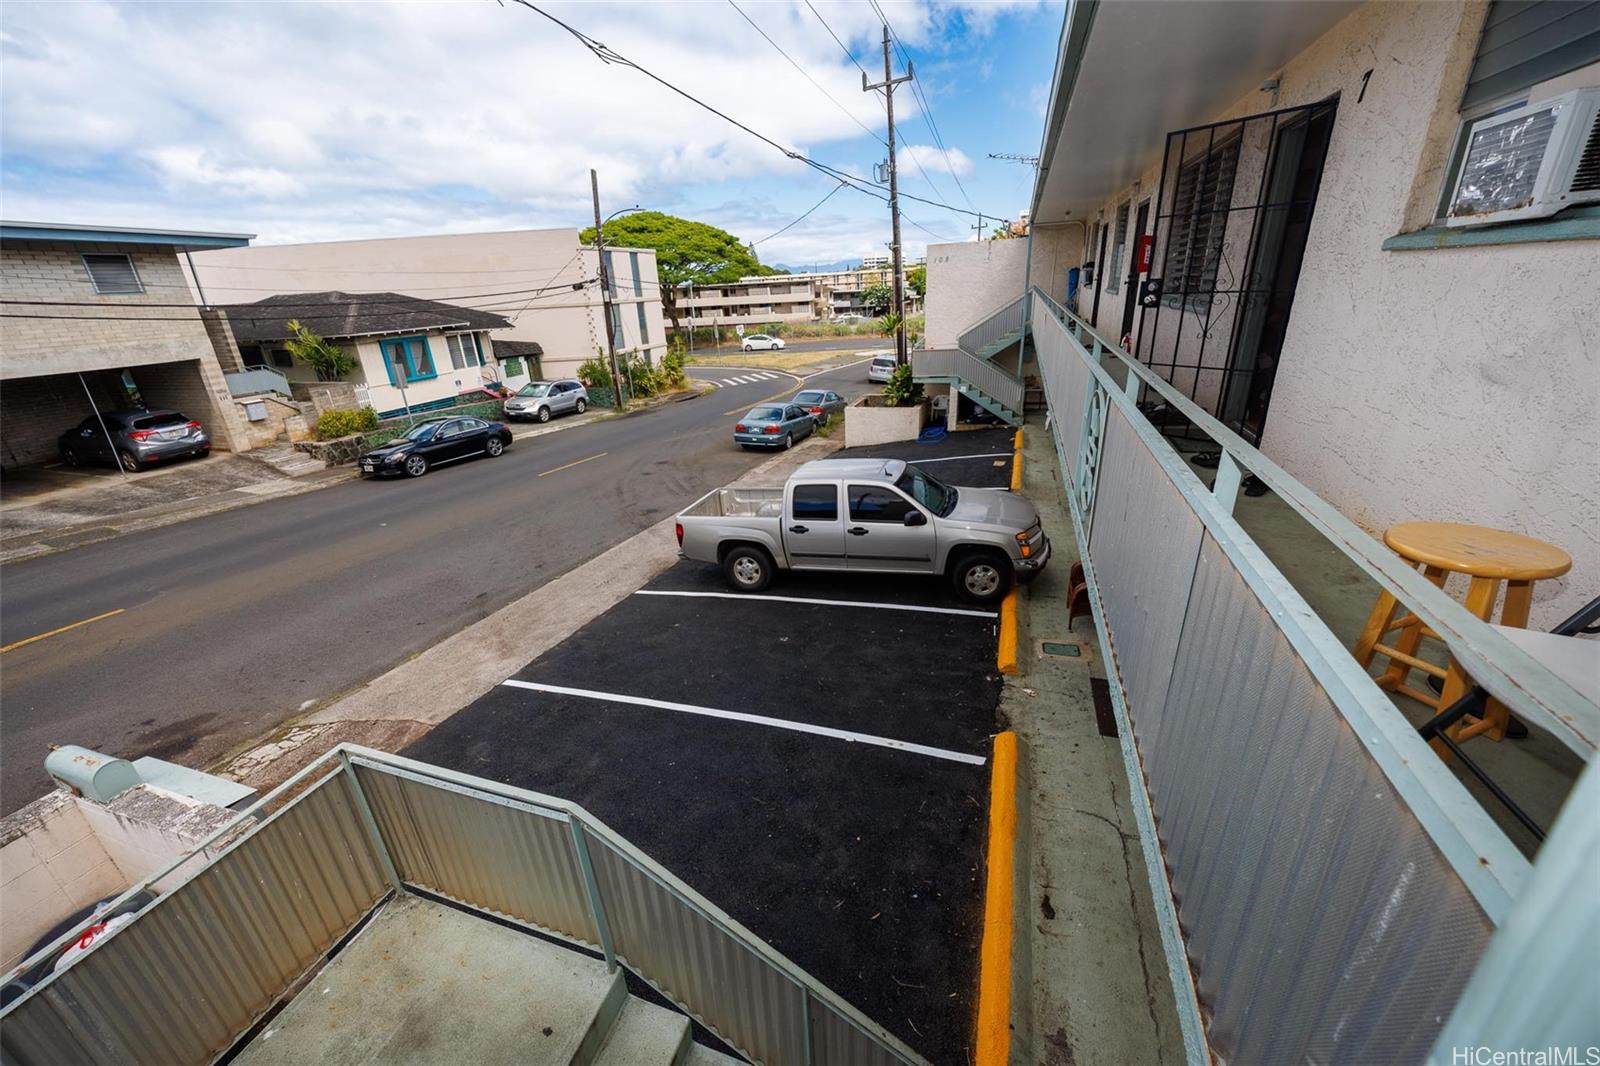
(1016, 463)
(1006, 651)
(1005, 969)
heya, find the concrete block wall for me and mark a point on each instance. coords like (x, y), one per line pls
(51, 864)
(220, 332)
(53, 270)
(284, 420)
(198, 389)
(34, 412)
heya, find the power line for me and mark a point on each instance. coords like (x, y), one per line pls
(927, 108)
(848, 54)
(610, 56)
(848, 113)
(802, 218)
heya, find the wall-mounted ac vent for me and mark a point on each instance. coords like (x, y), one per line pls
(1531, 162)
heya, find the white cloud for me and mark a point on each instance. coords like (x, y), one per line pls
(313, 121)
(933, 160)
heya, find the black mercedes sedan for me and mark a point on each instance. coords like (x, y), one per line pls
(434, 443)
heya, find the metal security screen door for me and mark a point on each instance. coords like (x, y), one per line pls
(1230, 232)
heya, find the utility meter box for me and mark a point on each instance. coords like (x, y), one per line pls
(91, 774)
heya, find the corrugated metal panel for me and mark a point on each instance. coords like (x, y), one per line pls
(1144, 544)
(482, 852)
(1526, 43)
(1313, 898)
(835, 1042)
(1065, 375)
(179, 984)
(708, 972)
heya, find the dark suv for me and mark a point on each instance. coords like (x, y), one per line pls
(137, 439)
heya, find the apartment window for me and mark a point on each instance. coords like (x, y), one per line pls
(112, 274)
(408, 359)
(465, 350)
(1200, 220)
(611, 274)
(281, 358)
(1522, 45)
(633, 264)
(644, 325)
(616, 321)
(1119, 245)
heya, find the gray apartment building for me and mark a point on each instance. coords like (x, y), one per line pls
(802, 297)
(102, 317)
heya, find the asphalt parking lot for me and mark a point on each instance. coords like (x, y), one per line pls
(814, 760)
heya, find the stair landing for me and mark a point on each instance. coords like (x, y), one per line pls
(424, 983)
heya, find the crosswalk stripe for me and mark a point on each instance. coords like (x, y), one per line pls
(730, 381)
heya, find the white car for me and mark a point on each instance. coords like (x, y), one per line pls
(761, 342)
(881, 367)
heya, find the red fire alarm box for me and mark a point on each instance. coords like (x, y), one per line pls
(1142, 256)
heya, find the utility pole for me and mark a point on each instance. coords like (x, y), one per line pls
(605, 289)
(979, 226)
(887, 85)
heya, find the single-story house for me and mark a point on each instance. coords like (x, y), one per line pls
(410, 353)
(101, 318)
(520, 362)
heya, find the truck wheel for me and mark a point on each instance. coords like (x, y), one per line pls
(981, 577)
(747, 568)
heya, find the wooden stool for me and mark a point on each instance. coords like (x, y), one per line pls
(1490, 556)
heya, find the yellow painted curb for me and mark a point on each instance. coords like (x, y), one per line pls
(1016, 464)
(994, 973)
(1006, 655)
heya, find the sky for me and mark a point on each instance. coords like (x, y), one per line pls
(325, 121)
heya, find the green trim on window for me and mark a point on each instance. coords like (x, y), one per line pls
(1573, 224)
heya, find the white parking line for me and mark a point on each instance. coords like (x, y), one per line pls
(753, 719)
(826, 603)
(948, 458)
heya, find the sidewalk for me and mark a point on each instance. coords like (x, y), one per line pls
(1101, 993)
(52, 509)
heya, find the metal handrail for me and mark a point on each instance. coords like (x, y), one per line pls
(1508, 672)
(1007, 318)
(342, 760)
(953, 363)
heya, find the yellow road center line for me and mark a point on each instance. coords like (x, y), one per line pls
(63, 629)
(569, 466)
(999, 897)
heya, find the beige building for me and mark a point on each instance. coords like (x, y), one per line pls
(102, 317)
(1269, 226)
(800, 297)
(542, 281)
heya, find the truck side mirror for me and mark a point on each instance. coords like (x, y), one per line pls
(916, 518)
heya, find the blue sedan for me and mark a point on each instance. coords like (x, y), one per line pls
(774, 425)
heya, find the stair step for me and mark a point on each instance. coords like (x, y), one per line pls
(645, 1034)
(700, 1055)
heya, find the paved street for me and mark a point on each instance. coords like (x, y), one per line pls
(230, 624)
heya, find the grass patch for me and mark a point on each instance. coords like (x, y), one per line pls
(767, 360)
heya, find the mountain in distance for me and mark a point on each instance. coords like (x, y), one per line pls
(820, 268)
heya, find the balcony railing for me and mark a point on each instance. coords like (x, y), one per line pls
(253, 380)
(950, 364)
(194, 971)
(996, 330)
(1325, 886)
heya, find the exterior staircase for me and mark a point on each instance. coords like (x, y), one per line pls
(980, 381)
(283, 458)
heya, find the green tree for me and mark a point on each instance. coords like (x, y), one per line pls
(917, 278)
(330, 361)
(878, 297)
(687, 252)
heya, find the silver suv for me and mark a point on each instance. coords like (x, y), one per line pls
(539, 400)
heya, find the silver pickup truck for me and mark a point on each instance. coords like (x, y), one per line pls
(877, 515)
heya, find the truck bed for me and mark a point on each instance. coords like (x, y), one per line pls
(738, 503)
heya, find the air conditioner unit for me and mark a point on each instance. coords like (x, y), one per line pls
(1530, 162)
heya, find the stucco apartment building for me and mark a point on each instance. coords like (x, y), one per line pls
(1279, 225)
(799, 297)
(98, 316)
(542, 281)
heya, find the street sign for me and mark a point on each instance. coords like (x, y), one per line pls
(739, 330)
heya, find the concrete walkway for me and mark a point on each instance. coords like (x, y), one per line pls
(1100, 988)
